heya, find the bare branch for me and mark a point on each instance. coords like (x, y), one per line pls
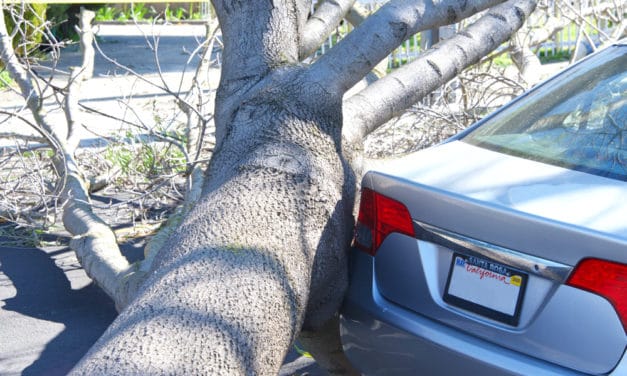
(575, 15)
(94, 242)
(195, 131)
(358, 53)
(554, 24)
(70, 107)
(22, 137)
(25, 81)
(321, 24)
(390, 96)
(163, 87)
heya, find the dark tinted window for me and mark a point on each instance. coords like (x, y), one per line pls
(576, 121)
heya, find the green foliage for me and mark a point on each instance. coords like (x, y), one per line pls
(503, 60)
(141, 12)
(17, 236)
(5, 79)
(175, 14)
(194, 15)
(137, 11)
(149, 159)
(39, 154)
(301, 351)
(30, 19)
(64, 19)
(58, 15)
(106, 13)
(120, 156)
(547, 55)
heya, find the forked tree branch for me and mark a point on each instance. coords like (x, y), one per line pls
(358, 53)
(25, 80)
(321, 24)
(390, 96)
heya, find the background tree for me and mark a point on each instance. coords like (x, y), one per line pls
(259, 255)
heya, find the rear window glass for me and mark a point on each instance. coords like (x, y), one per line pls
(575, 121)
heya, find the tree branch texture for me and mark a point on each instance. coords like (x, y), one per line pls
(390, 96)
(259, 255)
(358, 53)
(252, 49)
(321, 24)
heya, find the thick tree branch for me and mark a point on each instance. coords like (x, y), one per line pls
(358, 53)
(526, 61)
(390, 96)
(322, 23)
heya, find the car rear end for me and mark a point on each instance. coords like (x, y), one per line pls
(503, 254)
(442, 284)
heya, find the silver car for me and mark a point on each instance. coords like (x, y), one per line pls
(502, 251)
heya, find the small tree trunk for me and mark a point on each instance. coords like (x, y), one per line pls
(86, 34)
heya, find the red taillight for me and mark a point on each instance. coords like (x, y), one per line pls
(605, 278)
(378, 217)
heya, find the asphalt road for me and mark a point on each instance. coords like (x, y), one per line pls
(50, 311)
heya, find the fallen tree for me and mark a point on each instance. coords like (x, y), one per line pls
(259, 255)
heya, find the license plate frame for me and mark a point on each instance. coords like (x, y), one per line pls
(473, 282)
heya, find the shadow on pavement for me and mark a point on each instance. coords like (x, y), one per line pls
(44, 296)
(51, 313)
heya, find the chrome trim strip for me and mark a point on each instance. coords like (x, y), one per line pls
(530, 264)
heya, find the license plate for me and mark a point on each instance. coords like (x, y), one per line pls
(485, 287)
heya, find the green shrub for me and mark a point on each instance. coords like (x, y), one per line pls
(5, 79)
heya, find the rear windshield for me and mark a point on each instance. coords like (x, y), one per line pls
(575, 121)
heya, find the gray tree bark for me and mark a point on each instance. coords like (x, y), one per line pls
(262, 255)
(390, 96)
(322, 23)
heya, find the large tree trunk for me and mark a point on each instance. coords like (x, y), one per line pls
(231, 286)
